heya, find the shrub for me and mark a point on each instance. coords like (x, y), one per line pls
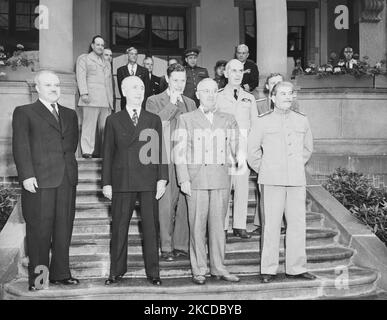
(7, 202)
(364, 201)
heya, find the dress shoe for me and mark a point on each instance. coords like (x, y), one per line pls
(241, 233)
(226, 277)
(257, 231)
(113, 280)
(266, 278)
(66, 282)
(180, 253)
(200, 280)
(167, 256)
(32, 288)
(87, 156)
(303, 276)
(156, 281)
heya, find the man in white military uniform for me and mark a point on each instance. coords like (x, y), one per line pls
(241, 104)
(280, 144)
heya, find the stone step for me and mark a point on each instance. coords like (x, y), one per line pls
(97, 265)
(359, 282)
(98, 226)
(100, 244)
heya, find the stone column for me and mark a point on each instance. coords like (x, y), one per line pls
(272, 36)
(56, 36)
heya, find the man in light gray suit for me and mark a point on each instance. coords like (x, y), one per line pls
(169, 105)
(206, 142)
(94, 78)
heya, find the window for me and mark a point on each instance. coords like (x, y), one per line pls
(156, 31)
(17, 24)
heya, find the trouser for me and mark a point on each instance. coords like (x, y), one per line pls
(173, 213)
(276, 199)
(123, 205)
(49, 215)
(93, 118)
(259, 211)
(240, 184)
(207, 206)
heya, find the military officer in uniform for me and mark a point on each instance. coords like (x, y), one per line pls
(241, 104)
(280, 144)
(264, 105)
(195, 74)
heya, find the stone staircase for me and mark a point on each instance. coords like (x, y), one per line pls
(338, 277)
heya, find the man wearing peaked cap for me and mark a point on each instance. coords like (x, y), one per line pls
(195, 74)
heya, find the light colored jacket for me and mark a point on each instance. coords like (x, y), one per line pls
(94, 77)
(204, 152)
(244, 110)
(279, 146)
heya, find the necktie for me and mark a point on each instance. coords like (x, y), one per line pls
(135, 117)
(131, 71)
(236, 94)
(54, 112)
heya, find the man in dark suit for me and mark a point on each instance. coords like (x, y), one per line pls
(169, 105)
(45, 138)
(132, 167)
(251, 74)
(154, 81)
(132, 69)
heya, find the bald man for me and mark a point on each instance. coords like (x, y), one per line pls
(241, 104)
(132, 169)
(45, 138)
(250, 74)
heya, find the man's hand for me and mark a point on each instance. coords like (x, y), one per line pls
(186, 188)
(161, 187)
(107, 192)
(30, 185)
(85, 98)
(247, 87)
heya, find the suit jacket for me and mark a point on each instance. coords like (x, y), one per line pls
(163, 84)
(94, 77)
(141, 72)
(154, 85)
(41, 147)
(251, 75)
(123, 146)
(204, 151)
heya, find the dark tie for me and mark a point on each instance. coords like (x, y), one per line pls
(54, 112)
(236, 94)
(135, 117)
(131, 71)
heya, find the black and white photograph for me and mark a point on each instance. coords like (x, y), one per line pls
(208, 153)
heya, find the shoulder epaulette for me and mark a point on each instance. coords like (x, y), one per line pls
(260, 100)
(265, 114)
(220, 90)
(300, 113)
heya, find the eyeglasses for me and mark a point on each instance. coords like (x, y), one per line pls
(206, 91)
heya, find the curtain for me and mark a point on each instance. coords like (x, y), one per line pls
(250, 23)
(122, 22)
(169, 28)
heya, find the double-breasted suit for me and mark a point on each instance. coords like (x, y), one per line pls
(45, 149)
(127, 168)
(174, 232)
(203, 157)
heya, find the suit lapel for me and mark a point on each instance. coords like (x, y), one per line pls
(41, 109)
(126, 122)
(62, 115)
(202, 120)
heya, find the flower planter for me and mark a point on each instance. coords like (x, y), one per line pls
(19, 74)
(380, 81)
(334, 81)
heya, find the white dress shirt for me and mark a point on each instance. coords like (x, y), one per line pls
(179, 98)
(209, 115)
(131, 111)
(132, 67)
(48, 105)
